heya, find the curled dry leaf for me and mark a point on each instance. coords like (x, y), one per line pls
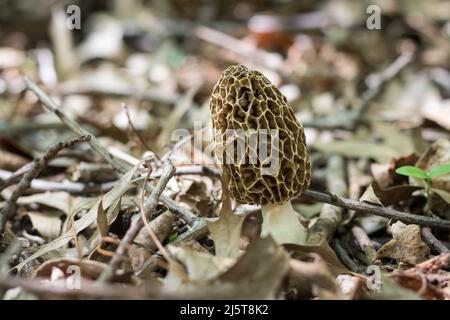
(406, 245)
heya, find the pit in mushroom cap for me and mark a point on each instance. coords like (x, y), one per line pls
(244, 100)
(245, 103)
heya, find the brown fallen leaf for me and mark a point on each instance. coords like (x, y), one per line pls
(406, 245)
(201, 266)
(324, 250)
(257, 274)
(226, 230)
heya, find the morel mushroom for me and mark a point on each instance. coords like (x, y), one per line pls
(244, 104)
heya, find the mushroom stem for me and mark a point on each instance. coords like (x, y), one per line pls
(282, 223)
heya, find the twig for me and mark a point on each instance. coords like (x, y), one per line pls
(364, 243)
(145, 214)
(432, 241)
(11, 178)
(330, 216)
(99, 90)
(136, 133)
(16, 176)
(249, 52)
(93, 289)
(382, 79)
(351, 119)
(74, 126)
(137, 224)
(121, 167)
(344, 257)
(372, 209)
(38, 165)
(193, 170)
(67, 186)
(266, 23)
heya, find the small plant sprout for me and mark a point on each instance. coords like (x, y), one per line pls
(418, 173)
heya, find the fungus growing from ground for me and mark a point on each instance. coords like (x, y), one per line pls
(262, 149)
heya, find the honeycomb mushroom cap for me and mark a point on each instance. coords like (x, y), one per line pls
(246, 100)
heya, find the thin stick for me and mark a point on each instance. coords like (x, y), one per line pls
(239, 47)
(38, 165)
(145, 214)
(383, 78)
(16, 176)
(432, 241)
(193, 170)
(344, 257)
(45, 185)
(364, 243)
(121, 167)
(330, 216)
(137, 224)
(94, 289)
(351, 119)
(372, 209)
(100, 90)
(136, 133)
(94, 143)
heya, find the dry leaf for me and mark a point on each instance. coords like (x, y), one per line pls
(102, 222)
(406, 245)
(47, 224)
(226, 230)
(201, 266)
(258, 274)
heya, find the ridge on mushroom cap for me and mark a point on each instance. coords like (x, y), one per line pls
(243, 103)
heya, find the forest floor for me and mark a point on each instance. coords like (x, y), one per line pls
(109, 189)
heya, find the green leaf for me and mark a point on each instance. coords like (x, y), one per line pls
(439, 170)
(411, 171)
